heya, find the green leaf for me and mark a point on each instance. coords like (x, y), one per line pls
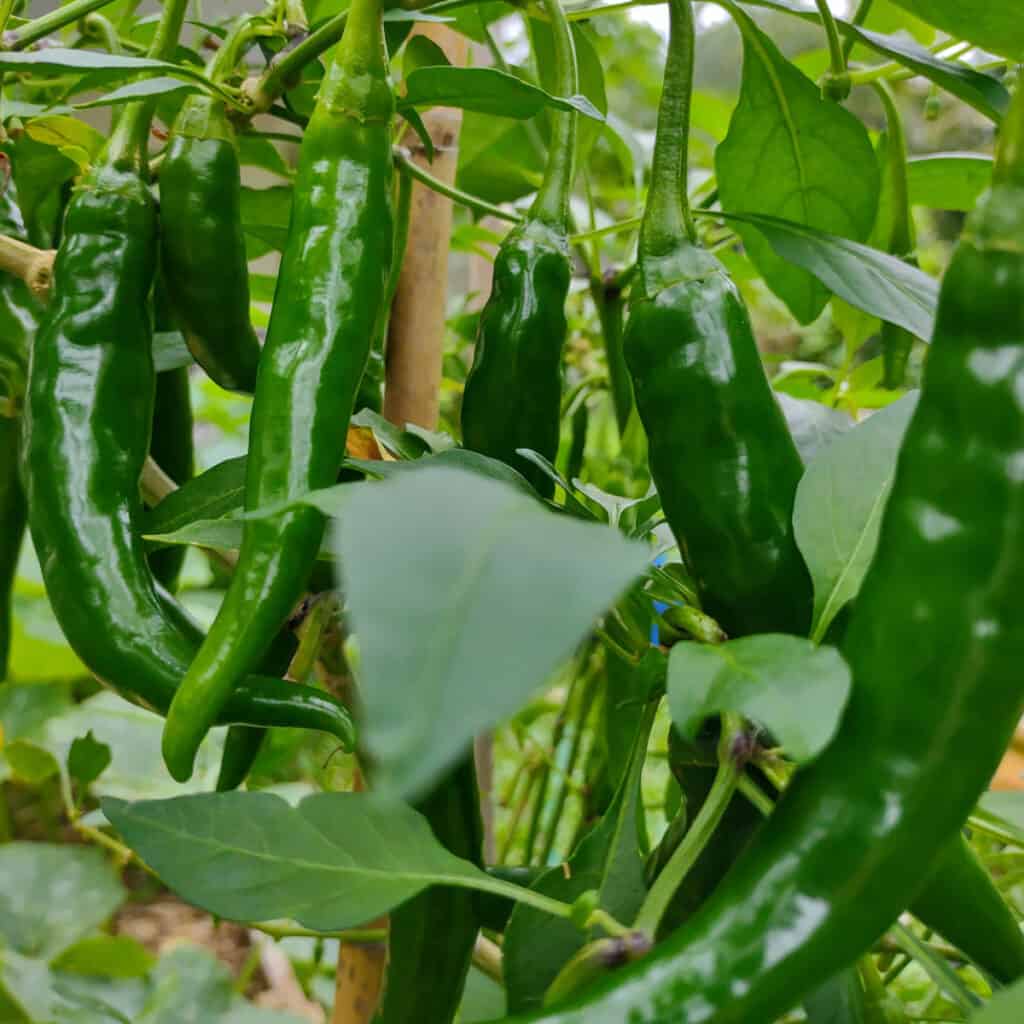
(106, 956)
(487, 91)
(793, 688)
(403, 443)
(53, 896)
(1007, 806)
(453, 458)
(1006, 1007)
(867, 278)
(147, 88)
(981, 91)
(794, 155)
(485, 567)
(998, 27)
(218, 492)
(266, 213)
(839, 506)
(422, 52)
(814, 426)
(88, 759)
(254, 150)
(609, 861)
(223, 534)
(63, 132)
(335, 861)
(949, 181)
(30, 763)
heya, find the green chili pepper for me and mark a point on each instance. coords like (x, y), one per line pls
(720, 453)
(18, 312)
(897, 342)
(610, 301)
(330, 298)
(935, 646)
(89, 409)
(203, 248)
(433, 935)
(513, 395)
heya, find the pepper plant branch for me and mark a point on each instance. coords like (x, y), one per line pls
(697, 836)
(277, 931)
(837, 56)
(32, 31)
(859, 17)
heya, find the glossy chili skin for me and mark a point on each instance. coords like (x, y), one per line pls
(18, 314)
(429, 961)
(513, 396)
(202, 245)
(720, 453)
(935, 645)
(89, 406)
(329, 301)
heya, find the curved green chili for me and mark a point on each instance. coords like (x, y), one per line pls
(513, 392)
(328, 306)
(720, 452)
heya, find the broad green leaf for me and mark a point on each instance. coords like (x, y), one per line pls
(793, 155)
(787, 684)
(106, 956)
(867, 278)
(983, 92)
(949, 181)
(29, 762)
(266, 213)
(218, 492)
(487, 91)
(484, 567)
(839, 506)
(88, 759)
(814, 426)
(403, 443)
(1007, 806)
(147, 88)
(52, 896)
(28, 983)
(25, 708)
(63, 132)
(224, 534)
(254, 150)
(608, 861)
(335, 861)
(422, 52)
(498, 160)
(997, 26)
(132, 735)
(1006, 1007)
(453, 458)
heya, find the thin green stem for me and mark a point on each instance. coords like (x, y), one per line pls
(835, 44)
(276, 931)
(858, 19)
(602, 919)
(98, 27)
(757, 796)
(39, 28)
(128, 142)
(275, 79)
(1009, 169)
(407, 165)
(618, 228)
(6, 9)
(667, 218)
(901, 242)
(240, 38)
(552, 203)
(995, 831)
(696, 839)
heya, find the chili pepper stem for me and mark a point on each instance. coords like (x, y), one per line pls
(858, 19)
(552, 202)
(1009, 169)
(34, 266)
(405, 163)
(32, 31)
(837, 56)
(667, 217)
(689, 850)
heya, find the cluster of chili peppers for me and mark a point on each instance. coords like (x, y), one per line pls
(773, 906)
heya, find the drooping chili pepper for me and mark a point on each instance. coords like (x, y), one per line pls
(203, 247)
(935, 645)
(610, 300)
(87, 427)
(722, 458)
(329, 301)
(513, 392)
(18, 312)
(897, 342)
(433, 935)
